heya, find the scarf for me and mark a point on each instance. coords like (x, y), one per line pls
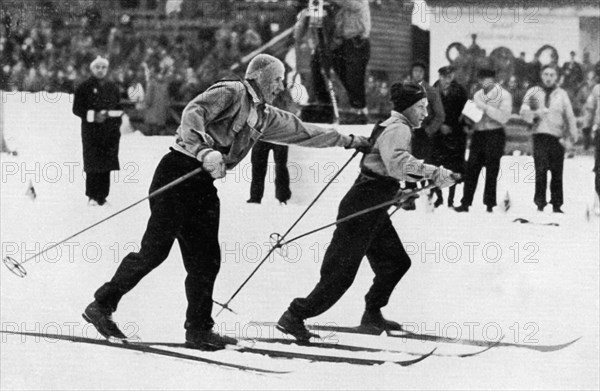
(547, 91)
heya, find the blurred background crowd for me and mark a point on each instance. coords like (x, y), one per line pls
(160, 69)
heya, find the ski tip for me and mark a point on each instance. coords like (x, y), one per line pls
(495, 344)
(417, 360)
(561, 346)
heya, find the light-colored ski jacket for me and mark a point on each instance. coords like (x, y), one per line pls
(230, 117)
(391, 153)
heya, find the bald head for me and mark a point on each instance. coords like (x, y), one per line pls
(268, 72)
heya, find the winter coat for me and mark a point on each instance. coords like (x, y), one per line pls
(449, 149)
(230, 117)
(157, 103)
(391, 154)
(435, 110)
(100, 140)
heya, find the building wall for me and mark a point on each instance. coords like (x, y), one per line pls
(391, 43)
(589, 37)
(512, 28)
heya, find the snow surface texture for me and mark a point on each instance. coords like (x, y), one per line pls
(475, 275)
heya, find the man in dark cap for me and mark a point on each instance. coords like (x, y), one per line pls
(372, 234)
(450, 143)
(488, 140)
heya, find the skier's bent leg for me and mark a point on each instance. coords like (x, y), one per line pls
(156, 245)
(389, 262)
(340, 265)
(167, 212)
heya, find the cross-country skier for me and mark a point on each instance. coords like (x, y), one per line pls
(372, 234)
(218, 129)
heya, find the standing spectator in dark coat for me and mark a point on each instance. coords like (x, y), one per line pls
(488, 141)
(520, 68)
(157, 103)
(349, 51)
(591, 121)
(533, 70)
(422, 143)
(96, 102)
(450, 143)
(422, 140)
(260, 160)
(572, 76)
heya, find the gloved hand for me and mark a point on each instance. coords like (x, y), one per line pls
(360, 143)
(212, 162)
(406, 199)
(443, 177)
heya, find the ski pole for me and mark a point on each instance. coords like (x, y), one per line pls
(280, 243)
(17, 267)
(225, 306)
(395, 200)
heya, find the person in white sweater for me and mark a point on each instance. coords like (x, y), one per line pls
(548, 108)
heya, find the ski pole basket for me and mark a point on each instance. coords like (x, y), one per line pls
(15, 266)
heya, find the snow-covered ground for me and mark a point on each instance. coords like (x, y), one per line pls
(475, 275)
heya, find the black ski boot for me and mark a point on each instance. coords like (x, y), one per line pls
(207, 340)
(294, 326)
(101, 317)
(374, 321)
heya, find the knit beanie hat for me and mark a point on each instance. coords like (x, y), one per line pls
(404, 95)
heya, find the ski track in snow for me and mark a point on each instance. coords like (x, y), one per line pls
(473, 274)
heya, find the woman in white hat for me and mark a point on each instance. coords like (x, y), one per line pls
(97, 104)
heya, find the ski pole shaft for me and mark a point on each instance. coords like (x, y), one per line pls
(361, 212)
(320, 194)
(153, 194)
(225, 306)
(280, 242)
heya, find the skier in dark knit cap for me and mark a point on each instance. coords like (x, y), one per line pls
(372, 234)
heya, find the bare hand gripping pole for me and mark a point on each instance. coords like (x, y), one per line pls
(17, 267)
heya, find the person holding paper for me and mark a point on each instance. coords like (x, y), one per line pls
(488, 140)
(97, 103)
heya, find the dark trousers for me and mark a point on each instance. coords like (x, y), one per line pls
(188, 212)
(371, 234)
(349, 61)
(97, 185)
(260, 159)
(487, 148)
(597, 163)
(548, 155)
